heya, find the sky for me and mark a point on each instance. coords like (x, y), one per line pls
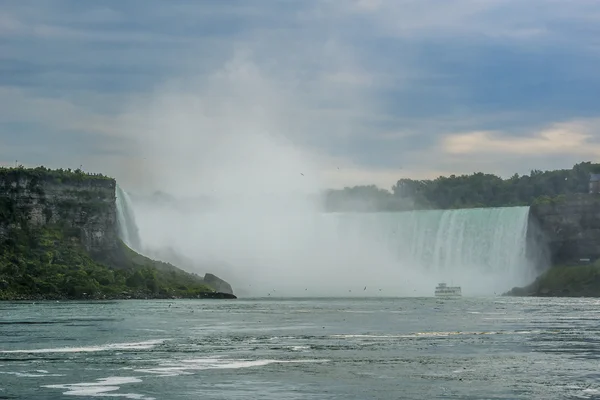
(347, 92)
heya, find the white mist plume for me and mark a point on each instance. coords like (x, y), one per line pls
(245, 142)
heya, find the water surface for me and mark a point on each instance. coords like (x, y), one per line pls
(410, 348)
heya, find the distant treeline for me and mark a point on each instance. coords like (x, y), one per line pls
(464, 191)
(454, 191)
(43, 173)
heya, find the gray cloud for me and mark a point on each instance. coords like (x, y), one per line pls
(373, 87)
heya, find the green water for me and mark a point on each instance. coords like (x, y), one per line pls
(413, 348)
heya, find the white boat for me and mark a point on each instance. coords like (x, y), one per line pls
(442, 290)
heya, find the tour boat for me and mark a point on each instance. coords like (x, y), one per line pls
(442, 290)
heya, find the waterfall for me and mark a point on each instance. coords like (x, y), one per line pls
(466, 246)
(128, 230)
(304, 252)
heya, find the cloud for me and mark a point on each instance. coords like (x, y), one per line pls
(242, 127)
(511, 20)
(573, 138)
(505, 152)
(377, 88)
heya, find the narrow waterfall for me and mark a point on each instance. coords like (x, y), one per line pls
(128, 230)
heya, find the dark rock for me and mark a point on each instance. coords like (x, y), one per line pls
(218, 284)
(217, 295)
(571, 227)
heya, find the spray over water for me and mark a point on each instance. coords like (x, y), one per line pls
(338, 254)
(237, 158)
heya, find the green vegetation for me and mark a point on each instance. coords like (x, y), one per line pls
(466, 191)
(547, 200)
(48, 259)
(42, 173)
(565, 281)
(48, 263)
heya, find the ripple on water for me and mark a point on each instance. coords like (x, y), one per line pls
(532, 349)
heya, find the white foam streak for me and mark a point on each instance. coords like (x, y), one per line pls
(148, 344)
(432, 334)
(104, 387)
(101, 388)
(29, 374)
(185, 367)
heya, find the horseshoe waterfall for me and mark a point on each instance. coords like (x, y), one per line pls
(484, 250)
(311, 253)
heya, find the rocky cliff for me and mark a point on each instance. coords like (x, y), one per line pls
(81, 203)
(59, 239)
(218, 284)
(571, 226)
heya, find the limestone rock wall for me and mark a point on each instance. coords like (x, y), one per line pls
(86, 206)
(571, 226)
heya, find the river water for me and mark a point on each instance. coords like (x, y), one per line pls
(409, 348)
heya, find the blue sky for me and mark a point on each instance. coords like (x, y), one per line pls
(368, 91)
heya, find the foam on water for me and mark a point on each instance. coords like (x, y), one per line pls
(29, 374)
(539, 355)
(433, 334)
(106, 387)
(101, 388)
(185, 367)
(148, 344)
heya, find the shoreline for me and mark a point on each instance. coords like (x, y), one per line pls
(132, 296)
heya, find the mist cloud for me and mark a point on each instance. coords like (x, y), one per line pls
(242, 188)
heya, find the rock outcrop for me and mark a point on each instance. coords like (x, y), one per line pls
(218, 284)
(571, 227)
(564, 281)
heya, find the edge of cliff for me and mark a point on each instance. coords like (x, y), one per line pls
(59, 240)
(570, 227)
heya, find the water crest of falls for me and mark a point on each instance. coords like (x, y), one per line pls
(128, 230)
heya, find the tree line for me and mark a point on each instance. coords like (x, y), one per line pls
(464, 191)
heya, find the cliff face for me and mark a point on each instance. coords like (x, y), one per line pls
(571, 226)
(83, 204)
(59, 239)
(218, 284)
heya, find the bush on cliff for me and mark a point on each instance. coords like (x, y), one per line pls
(42, 173)
(466, 191)
(566, 281)
(47, 263)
